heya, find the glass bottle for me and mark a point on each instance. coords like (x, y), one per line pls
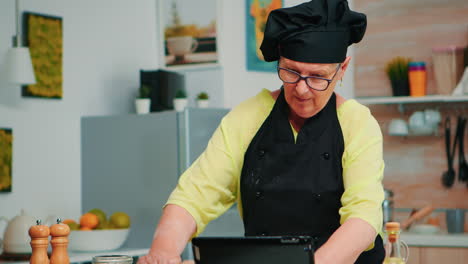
(393, 246)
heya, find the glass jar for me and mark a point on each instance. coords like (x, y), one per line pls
(112, 259)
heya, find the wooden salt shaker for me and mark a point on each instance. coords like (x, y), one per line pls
(39, 242)
(59, 241)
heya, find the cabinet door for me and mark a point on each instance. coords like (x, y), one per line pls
(443, 255)
(414, 257)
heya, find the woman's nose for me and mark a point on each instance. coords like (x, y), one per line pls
(302, 87)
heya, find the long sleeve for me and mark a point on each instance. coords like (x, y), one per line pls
(211, 185)
(363, 167)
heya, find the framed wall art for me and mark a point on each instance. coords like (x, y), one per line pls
(189, 33)
(6, 157)
(257, 12)
(43, 35)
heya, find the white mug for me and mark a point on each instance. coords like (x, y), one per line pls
(398, 127)
(179, 46)
(432, 116)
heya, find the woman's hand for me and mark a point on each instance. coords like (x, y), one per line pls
(174, 230)
(158, 259)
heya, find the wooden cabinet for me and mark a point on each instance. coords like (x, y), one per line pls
(414, 255)
(433, 255)
(444, 255)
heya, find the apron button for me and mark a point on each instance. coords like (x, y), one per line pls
(318, 197)
(259, 195)
(261, 153)
(326, 155)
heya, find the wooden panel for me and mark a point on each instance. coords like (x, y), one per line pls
(414, 256)
(414, 165)
(444, 255)
(407, 28)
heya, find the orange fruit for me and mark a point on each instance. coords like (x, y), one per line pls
(89, 220)
(68, 221)
(84, 228)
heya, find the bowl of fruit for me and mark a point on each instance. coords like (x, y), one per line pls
(95, 232)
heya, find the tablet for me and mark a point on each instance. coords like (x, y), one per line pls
(253, 250)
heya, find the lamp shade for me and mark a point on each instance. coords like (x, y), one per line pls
(19, 68)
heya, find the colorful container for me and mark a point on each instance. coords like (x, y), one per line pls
(417, 78)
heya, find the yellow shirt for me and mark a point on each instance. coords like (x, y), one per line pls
(212, 183)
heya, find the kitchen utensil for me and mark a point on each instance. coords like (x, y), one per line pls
(59, 240)
(39, 242)
(462, 165)
(455, 219)
(418, 215)
(16, 238)
(449, 176)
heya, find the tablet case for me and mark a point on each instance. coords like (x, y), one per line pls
(253, 250)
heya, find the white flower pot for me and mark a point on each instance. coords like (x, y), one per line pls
(142, 105)
(203, 103)
(180, 104)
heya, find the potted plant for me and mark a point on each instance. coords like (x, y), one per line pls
(180, 100)
(143, 102)
(397, 72)
(203, 100)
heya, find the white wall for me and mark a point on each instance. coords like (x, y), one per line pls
(105, 43)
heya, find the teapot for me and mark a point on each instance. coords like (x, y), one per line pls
(16, 238)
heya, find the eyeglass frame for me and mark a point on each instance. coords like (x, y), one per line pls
(278, 68)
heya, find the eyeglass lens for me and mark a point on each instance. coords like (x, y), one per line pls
(293, 77)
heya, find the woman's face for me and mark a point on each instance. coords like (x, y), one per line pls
(302, 100)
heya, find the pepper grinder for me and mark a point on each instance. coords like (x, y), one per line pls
(59, 241)
(39, 242)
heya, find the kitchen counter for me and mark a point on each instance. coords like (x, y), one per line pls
(412, 239)
(435, 240)
(79, 257)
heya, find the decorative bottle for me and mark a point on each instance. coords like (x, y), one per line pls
(393, 246)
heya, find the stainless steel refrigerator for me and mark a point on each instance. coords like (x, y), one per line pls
(131, 163)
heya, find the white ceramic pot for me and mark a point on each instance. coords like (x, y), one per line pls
(180, 104)
(16, 237)
(204, 103)
(142, 105)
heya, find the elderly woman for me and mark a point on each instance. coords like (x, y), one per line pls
(301, 160)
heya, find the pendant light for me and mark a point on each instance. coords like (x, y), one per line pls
(19, 69)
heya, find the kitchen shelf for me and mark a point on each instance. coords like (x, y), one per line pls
(409, 99)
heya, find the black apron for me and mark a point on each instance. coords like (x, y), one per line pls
(294, 188)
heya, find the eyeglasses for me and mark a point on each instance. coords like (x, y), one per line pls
(314, 82)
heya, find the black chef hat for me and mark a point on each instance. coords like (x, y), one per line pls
(318, 31)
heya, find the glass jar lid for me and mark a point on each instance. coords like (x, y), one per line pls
(112, 259)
